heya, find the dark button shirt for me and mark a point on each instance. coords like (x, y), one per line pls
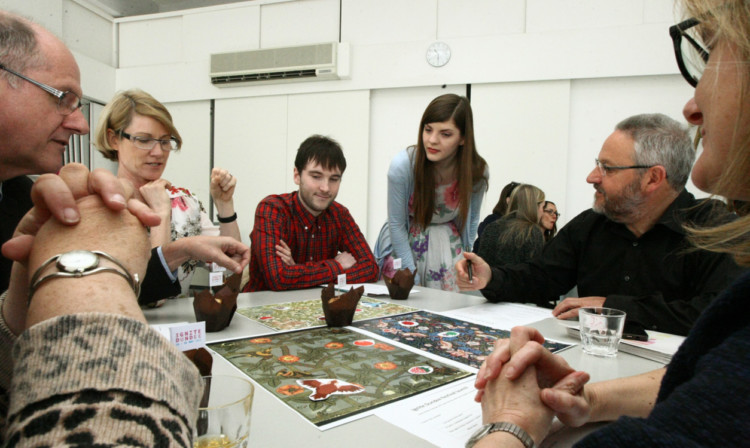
(15, 202)
(656, 279)
(314, 241)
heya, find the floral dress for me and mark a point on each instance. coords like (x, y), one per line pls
(189, 218)
(437, 248)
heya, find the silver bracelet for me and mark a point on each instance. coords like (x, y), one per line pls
(79, 263)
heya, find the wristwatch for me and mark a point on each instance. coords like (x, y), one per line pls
(512, 428)
(79, 263)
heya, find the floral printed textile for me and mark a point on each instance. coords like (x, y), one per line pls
(188, 219)
(437, 249)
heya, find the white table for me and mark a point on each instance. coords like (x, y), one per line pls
(276, 425)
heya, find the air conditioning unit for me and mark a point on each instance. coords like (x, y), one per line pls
(316, 62)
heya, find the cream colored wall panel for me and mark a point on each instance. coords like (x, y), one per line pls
(595, 112)
(250, 141)
(388, 21)
(88, 33)
(151, 42)
(486, 17)
(345, 117)
(661, 11)
(301, 22)
(97, 79)
(549, 15)
(394, 124)
(47, 13)
(220, 31)
(522, 133)
(190, 166)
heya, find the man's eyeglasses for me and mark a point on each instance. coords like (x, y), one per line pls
(605, 169)
(67, 102)
(148, 143)
(691, 55)
(551, 212)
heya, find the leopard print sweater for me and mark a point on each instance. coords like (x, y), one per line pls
(98, 380)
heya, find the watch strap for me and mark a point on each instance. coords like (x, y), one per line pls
(511, 428)
(37, 279)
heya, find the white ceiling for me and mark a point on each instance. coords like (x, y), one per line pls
(125, 8)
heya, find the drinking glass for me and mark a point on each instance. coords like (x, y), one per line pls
(224, 412)
(601, 330)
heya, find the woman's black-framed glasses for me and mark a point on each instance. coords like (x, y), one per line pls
(67, 102)
(691, 55)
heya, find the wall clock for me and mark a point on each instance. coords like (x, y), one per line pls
(438, 54)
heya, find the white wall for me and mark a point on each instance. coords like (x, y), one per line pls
(549, 80)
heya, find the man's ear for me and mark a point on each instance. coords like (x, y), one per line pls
(655, 178)
(296, 176)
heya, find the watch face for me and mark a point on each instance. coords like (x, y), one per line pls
(438, 54)
(77, 261)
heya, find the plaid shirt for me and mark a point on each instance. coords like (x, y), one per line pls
(314, 241)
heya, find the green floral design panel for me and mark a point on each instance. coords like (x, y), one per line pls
(278, 361)
(309, 313)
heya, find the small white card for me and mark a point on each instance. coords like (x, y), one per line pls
(215, 279)
(217, 268)
(188, 336)
(341, 280)
(396, 263)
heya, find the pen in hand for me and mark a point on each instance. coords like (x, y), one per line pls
(469, 270)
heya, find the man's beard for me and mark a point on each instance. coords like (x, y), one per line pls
(626, 207)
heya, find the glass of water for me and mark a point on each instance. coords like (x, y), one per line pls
(601, 330)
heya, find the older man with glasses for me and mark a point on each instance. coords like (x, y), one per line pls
(39, 111)
(629, 251)
(82, 303)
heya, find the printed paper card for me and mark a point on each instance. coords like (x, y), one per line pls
(328, 374)
(309, 313)
(444, 336)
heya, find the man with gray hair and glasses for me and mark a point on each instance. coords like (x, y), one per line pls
(629, 251)
(84, 307)
(36, 120)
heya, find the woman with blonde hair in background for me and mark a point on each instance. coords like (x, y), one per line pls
(516, 237)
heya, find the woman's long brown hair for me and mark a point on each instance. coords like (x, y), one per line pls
(470, 169)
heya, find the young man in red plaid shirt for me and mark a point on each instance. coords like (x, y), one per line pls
(305, 239)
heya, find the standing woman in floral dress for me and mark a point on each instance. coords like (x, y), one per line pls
(435, 191)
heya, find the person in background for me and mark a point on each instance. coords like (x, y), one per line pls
(630, 251)
(137, 131)
(498, 212)
(87, 369)
(700, 398)
(548, 220)
(435, 192)
(517, 236)
(306, 238)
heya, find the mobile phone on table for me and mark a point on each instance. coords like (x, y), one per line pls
(634, 331)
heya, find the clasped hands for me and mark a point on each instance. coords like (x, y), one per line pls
(75, 197)
(524, 383)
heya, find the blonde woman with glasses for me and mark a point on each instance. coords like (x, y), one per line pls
(137, 132)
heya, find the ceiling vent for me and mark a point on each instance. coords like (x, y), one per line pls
(285, 64)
